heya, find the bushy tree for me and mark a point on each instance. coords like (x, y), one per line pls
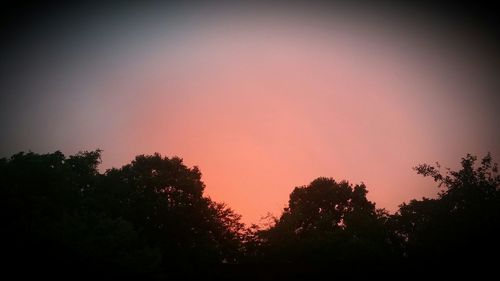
(149, 216)
(327, 221)
(461, 226)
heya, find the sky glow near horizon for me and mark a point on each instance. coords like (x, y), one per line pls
(261, 103)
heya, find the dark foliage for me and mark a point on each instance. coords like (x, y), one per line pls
(61, 217)
(146, 218)
(461, 226)
(328, 223)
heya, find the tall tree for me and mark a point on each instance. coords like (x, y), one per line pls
(327, 221)
(462, 225)
(149, 216)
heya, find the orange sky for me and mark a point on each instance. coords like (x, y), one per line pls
(263, 104)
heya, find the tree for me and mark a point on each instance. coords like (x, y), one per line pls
(163, 199)
(147, 217)
(327, 221)
(48, 223)
(150, 218)
(461, 226)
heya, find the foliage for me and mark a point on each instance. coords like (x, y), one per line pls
(462, 223)
(150, 218)
(327, 221)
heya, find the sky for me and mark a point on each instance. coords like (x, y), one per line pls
(261, 99)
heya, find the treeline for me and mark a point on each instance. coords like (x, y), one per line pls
(149, 218)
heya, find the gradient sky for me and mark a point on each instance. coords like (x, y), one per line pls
(261, 100)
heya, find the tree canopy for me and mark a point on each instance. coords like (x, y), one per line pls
(327, 221)
(147, 216)
(150, 218)
(462, 224)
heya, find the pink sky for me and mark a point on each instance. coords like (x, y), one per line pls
(265, 104)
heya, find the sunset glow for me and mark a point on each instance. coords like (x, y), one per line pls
(261, 102)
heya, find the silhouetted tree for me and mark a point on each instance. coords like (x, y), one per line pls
(49, 225)
(461, 226)
(327, 222)
(148, 216)
(163, 199)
